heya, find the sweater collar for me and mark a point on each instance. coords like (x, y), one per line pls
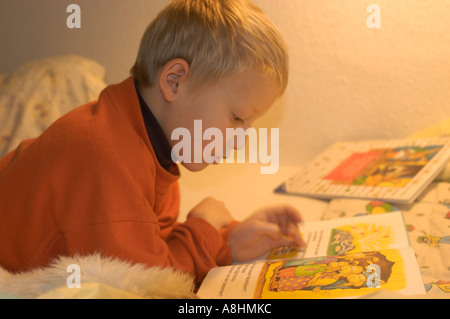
(126, 94)
(158, 139)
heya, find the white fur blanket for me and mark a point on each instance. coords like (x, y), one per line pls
(115, 277)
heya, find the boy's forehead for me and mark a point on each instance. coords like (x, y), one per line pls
(248, 81)
(257, 93)
(248, 93)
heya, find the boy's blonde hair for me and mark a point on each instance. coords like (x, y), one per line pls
(217, 38)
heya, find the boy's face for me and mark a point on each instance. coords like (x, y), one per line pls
(232, 103)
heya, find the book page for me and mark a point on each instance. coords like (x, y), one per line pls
(232, 282)
(347, 276)
(349, 235)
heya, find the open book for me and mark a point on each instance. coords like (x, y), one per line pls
(396, 171)
(347, 257)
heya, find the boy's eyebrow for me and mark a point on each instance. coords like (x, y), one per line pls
(238, 110)
(241, 114)
(252, 110)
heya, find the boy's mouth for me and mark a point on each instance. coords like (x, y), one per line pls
(215, 159)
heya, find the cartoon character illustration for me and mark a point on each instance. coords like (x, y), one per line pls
(441, 284)
(342, 243)
(394, 167)
(378, 207)
(411, 154)
(433, 241)
(283, 253)
(375, 207)
(392, 175)
(328, 273)
(446, 203)
(359, 237)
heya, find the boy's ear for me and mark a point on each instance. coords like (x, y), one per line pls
(173, 74)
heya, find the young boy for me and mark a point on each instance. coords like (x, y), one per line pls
(101, 178)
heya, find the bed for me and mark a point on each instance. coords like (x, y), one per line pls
(39, 92)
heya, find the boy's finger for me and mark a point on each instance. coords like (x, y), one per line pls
(268, 229)
(285, 242)
(293, 232)
(293, 214)
(274, 233)
(284, 214)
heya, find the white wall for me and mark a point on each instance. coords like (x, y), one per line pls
(347, 81)
(110, 31)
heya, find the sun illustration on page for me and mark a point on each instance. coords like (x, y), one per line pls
(359, 237)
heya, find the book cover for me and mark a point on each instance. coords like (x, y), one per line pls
(396, 171)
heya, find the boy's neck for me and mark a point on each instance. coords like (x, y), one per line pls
(155, 131)
(155, 103)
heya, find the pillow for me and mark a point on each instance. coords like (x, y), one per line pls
(36, 94)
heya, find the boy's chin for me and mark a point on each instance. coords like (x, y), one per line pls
(196, 167)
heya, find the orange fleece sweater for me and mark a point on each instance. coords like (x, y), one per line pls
(92, 183)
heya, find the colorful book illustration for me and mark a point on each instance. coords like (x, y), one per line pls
(346, 257)
(396, 171)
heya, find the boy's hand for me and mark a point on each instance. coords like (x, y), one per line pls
(212, 211)
(267, 229)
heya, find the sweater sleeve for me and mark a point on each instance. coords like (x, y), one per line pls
(117, 219)
(193, 247)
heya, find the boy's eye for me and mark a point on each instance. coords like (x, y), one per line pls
(238, 119)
